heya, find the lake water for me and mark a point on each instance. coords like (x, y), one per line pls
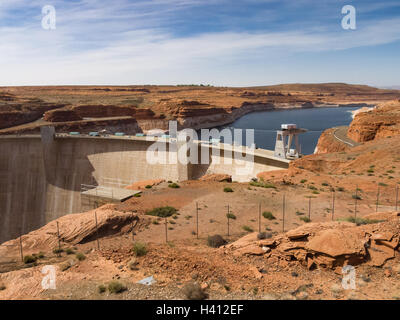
(316, 120)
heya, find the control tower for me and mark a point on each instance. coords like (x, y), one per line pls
(285, 137)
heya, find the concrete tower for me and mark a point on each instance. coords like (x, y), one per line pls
(284, 141)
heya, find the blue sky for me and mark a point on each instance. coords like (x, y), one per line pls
(219, 42)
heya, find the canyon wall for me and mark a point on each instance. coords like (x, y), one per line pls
(383, 121)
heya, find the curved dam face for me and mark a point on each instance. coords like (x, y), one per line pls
(41, 177)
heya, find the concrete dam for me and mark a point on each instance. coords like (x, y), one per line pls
(41, 176)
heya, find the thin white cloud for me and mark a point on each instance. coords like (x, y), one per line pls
(133, 46)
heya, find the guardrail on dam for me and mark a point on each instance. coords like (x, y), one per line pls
(41, 175)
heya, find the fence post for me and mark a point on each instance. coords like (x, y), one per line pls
(97, 231)
(133, 231)
(259, 218)
(197, 219)
(227, 216)
(58, 237)
(166, 231)
(397, 196)
(377, 199)
(283, 212)
(333, 204)
(355, 202)
(20, 246)
(309, 208)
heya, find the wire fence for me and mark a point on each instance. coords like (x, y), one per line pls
(278, 213)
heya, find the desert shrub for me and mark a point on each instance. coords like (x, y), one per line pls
(356, 196)
(247, 229)
(149, 186)
(268, 215)
(193, 291)
(303, 181)
(116, 287)
(341, 189)
(174, 185)
(139, 249)
(41, 255)
(215, 241)
(231, 216)
(382, 184)
(305, 219)
(58, 250)
(264, 235)
(137, 195)
(162, 212)
(299, 213)
(228, 189)
(69, 251)
(188, 217)
(361, 221)
(80, 256)
(29, 259)
(101, 288)
(325, 184)
(155, 222)
(262, 184)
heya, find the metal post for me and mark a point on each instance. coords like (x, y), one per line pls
(355, 202)
(166, 231)
(97, 231)
(309, 208)
(58, 237)
(283, 212)
(20, 246)
(228, 219)
(259, 218)
(377, 199)
(333, 204)
(397, 196)
(133, 231)
(197, 219)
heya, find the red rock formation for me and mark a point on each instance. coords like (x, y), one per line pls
(61, 115)
(328, 143)
(381, 122)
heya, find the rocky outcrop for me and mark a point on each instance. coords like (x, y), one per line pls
(97, 111)
(61, 115)
(216, 178)
(328, 245)
(77, 228)
(384, 121)
(327, 143)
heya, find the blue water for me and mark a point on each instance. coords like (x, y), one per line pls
(316, 120)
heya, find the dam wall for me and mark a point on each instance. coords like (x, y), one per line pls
(41, 176)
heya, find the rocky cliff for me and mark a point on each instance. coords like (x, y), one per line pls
(328, 143)
(383, 121)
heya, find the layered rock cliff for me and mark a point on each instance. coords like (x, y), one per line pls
(383, 121)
